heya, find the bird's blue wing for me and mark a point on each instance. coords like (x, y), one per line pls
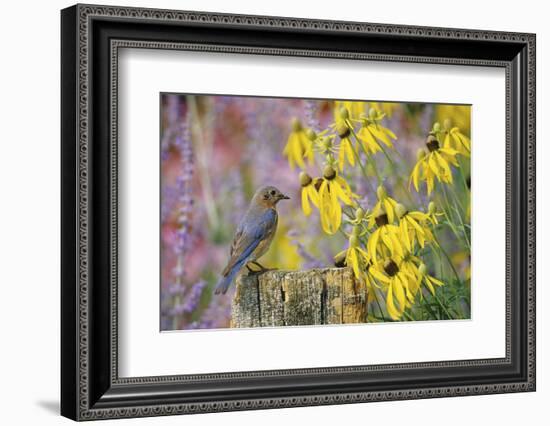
(248, 236)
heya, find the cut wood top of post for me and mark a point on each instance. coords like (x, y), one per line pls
(311, 297)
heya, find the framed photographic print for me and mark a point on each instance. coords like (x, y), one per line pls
(263, 212)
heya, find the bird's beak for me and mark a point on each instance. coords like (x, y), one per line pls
(283, 197)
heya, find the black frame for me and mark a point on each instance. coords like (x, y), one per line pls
(91, 37)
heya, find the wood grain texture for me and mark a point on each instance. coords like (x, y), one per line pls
(287, 298)
(245, 296)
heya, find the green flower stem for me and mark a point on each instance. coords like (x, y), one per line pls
(363, 169)
(436, 254)
(407, 315)
(405, 190)
(449, 316)
(459, 216)
(394, 168)
(378, 304)
(456, 199)
(369, 159)
(447, 257)
(427, 307)
(392, 163)
(396, 153)
(466, 237)
(447, 210)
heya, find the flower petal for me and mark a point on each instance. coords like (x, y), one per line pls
(379, 276)
(372, 245)
(397, 285)
(390, 307)
(313, 194)
(306, 207)
(389, 210)
(436, 281)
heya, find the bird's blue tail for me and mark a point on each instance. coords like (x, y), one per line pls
(225, 282)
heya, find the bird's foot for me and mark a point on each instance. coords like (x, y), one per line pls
(263, 268)
(253, 271)
(259, 271)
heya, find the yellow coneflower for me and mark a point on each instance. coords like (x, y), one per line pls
(372, 132)
(421, 172)
(454, 139)
(409, 265)
(358, 259)
(298, 146)
(321, 143)
(439, 159)
(385, 239)
(346, 149)
(398, 283)
(433, 164)
(309, 193)
(355, 108)
(344, 128)
(333, 189)
(412, 225)
(386, 203)
(355, 256)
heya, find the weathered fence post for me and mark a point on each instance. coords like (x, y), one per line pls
(312, 297)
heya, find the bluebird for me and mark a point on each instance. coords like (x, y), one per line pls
(253, 235)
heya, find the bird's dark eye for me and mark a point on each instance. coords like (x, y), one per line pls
(272, 192)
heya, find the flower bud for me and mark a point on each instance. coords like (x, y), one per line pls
(381, 192)
(305, 179)
(372, 113)
(447, 124)
(328, 172)
(359, 214)
(296, 125)
(431, 207)
(343, 113)
(311, 135)
(343, 130)
(400, 210)
(324, 144)
(422, 269)
(437, 127)
(332, 162)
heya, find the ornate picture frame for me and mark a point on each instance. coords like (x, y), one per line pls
(91, 38)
